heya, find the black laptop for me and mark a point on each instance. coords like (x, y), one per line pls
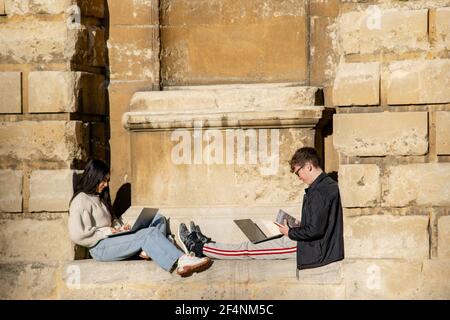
(253, 231)
(143, 221)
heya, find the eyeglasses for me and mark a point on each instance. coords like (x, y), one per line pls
(297, 171)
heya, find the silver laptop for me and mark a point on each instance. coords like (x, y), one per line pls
(253, 231)
(143, 221)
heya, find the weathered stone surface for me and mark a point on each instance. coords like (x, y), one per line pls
(357, 84)
(227, 41)
(444, 237)
(134, 53)
(443, 26)
(359, 185)
(57, 91)
(11, 92)
(418, 81)
(94, 8)
(32, 241)
(375, 30)
(50, 190)
(418, 184)
(383, 279)
(443, 132)
(380, 134)
(90, 46)
(2, 7)
(30, 41)
(10, 191)
(43, 140)
(386, 237)
(131, 12)
(261, 180)
(28, 281)
(435, 279)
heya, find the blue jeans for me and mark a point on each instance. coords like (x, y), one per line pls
(153, 240)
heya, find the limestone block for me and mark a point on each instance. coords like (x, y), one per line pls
(90, 46)
(418, 82)
(444, 237)
(375, 30)
(31, 41)
(226, 42)
(134, 53)
(435, 279)
(386, 237)
(443, 26)
(43, 140)
(381, 134)
(131, 12)
(28, 281)
(443, 132)
(359, 185)
(383, 279)
(50, 190)
(58, 91)
(33, 241)
(2, 7)
(92, 8)
(10, 191)
(357, 84)
(418, 184)
(11, 92)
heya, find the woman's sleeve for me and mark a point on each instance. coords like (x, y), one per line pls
(81, 230)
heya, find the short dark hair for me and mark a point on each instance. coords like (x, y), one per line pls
(303, 155)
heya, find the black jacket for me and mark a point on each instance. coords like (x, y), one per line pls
(320, 235)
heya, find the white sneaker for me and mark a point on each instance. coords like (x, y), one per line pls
(189, 263)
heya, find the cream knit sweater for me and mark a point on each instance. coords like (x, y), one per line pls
(89, 220)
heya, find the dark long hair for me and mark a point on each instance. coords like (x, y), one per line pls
(94, 173)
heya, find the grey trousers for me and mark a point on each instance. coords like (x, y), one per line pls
(280, 248)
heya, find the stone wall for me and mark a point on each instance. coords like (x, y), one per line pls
(391, 93)
(53, 118)
(384, 66)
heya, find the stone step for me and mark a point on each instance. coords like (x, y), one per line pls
(224, 106)
(252, 279)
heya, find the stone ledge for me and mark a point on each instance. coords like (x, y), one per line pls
(227, 106)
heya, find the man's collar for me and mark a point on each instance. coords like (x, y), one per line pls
(319, 178)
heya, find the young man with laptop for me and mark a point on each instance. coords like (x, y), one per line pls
(316, 242)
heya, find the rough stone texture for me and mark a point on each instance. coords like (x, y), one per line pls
(383, 279)
(44, 140)
(232, 42)
(418, 81)
(381, 134)
(92, 8)
(443, 132)
(90, 46)
(28, 281)
(444, 237)
(11, 92)
(29, 41)
(418, 184)
(386, 237)
(359, 185)
(374, 30)
(10, 191)
(443, 26)
(50, 190)
(132, 12)
(31, 241)
(160, 179)
(61, 91)
(134, 53)
(357, 84)
(435, 275)
(2, 7)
